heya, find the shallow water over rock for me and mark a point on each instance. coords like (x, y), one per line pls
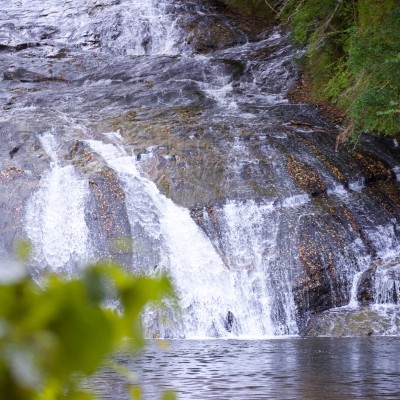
(124, 119)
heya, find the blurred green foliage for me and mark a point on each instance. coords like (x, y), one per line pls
(52, 337)
(352, 58)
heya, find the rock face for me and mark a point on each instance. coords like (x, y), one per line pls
(214, 33)
(106, 213)
(191, 105)
(306, 177)
(23, 75)
(361, 322)
(22, 163)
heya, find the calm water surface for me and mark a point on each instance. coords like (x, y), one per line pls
(315, 368)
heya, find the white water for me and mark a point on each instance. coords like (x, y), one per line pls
(126, 27)
(245, 276)
(387, 283)
(250, 243)
(55, 215)
(353, 303)
(386, 280)
(207, 288)
(249, 272)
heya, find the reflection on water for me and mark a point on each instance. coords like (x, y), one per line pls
(315, 368)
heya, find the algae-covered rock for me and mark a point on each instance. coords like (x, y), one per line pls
(357, 322)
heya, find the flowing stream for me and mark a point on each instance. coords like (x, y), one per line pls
(55, 215)
(169, 124)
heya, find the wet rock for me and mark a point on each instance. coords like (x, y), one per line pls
(23, 46)
(229, 321)
(365, 291)
(213, 34)
(16, 187)
(20, 171)
(18, 47)
(330, 160)
(14, 151)
(237, 67)
(107, 217)
(23, 75)
(4, 47)
(375, 169)
(358, 322)
(324, 282)
(253, 19)
(306, 177)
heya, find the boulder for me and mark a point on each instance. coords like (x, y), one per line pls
(213, 33)
(23, 75)
(357, 322)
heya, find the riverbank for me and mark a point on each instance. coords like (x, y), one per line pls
(351, 58)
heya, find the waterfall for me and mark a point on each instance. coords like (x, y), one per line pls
(353, 303)
(215, 297)
(55, 216)
(250, 245)
(235, 190)
(146, 27)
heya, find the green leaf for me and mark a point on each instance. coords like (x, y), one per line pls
(168, 395)
(51, 337)
(23, 250)
(135, 393)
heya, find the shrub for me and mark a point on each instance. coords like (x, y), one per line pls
(52, 337)
(352, 57)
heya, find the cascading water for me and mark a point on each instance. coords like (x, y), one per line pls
(55, 216)
(213, 298)
(128, 27)
(216, 177)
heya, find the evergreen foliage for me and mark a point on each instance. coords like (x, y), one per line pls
(352, 58)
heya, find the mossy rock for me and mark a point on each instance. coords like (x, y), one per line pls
(354, 322)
